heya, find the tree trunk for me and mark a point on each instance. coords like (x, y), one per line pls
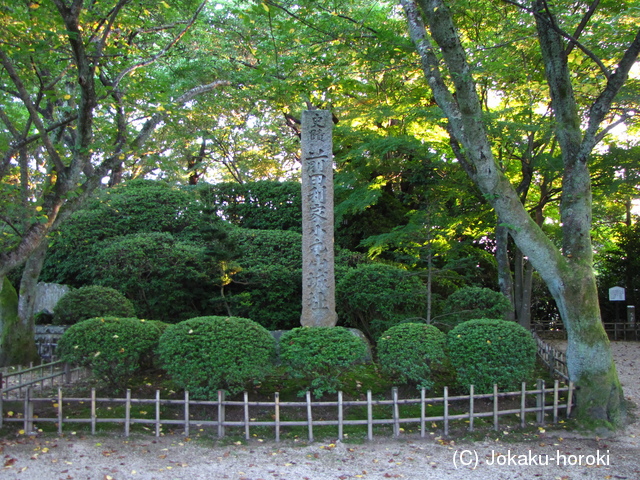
(17, 344)
(505, 280)
(28, 288)
(523, 289)
(600, 399)
(568, 273)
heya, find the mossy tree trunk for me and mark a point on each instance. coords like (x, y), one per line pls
(17, 343)
(568, 272)
(599, 399)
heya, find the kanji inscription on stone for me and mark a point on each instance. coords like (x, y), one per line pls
(318, 281)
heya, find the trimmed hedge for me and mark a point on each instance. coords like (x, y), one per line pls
(375, 297)
(113, 348)
(468, 303)
(319, 355)
(408, 351)
(485, 352)
(91, 302)
(207, 354)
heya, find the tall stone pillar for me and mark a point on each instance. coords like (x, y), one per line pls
(318, 280)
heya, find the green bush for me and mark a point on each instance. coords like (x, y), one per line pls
(166, 278)
(268, 285)
(207, 354)
(409, 351)
(89, 302)
(261, 205)
(485, 352)
(113, 348)
(319, 355)
(474, 302)
(374, 297)
(153, 242)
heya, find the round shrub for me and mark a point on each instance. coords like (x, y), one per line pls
(409, 351)
(319, 355)
(374, 297)
(485, 352)
(113, 348)
(90, 302)
(207, 354)
(474, 302)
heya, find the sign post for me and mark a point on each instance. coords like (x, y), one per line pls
(617, 294)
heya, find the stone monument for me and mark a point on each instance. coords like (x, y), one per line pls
(318, 280)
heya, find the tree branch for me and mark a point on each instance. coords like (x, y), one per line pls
(573, 40)
(33, 113)
(603, 103)
(166, 48)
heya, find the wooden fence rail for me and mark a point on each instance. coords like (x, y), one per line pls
(18, 380)
(542, 402)
(553, 358)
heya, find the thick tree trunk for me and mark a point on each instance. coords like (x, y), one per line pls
(567, 273)
(17, 344)
(599, 399)
(27, 295)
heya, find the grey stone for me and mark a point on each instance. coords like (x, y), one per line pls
(318, 280)
(48, 295)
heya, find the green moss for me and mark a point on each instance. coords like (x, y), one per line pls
(600, 403)
(17, 344)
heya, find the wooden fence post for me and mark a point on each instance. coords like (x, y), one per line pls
(28, 412)
(446, 411)
(157, 405)
(471, 406)
(127, 413)
(523, 404)
(369, 417)
(186, 413)
(309, 417)
(396, 413)
(247, 435)
(276, 402)
(423, 411)
(220, 413)
(540, 403)
(94, 414)
(60, 417)
(340, 417)
(495, 407)
(555, 401)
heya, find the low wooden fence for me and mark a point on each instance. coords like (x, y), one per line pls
(540, 402)
(14, 381)
(554, 359)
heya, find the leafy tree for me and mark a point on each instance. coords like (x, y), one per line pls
(75, 77)
(261, 205)
(447, 61)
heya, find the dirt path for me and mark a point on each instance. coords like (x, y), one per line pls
(546, 455)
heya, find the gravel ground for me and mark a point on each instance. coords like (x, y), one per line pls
(544, 455)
